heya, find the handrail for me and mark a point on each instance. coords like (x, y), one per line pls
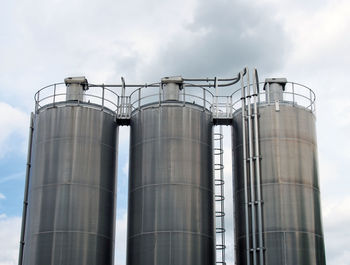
(56, 94)
(138, 96)
(203, 95)
(305, 98)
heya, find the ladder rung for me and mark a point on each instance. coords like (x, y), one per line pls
(221, 136)
(219, 214)
(218, 166)
(219, 182)
(219, 198)
(220, 230)
(218, 151)
(220, 247)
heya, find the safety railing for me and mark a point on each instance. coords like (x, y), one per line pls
(222, 106)
(154, 94)
(294, 93)
(96, 96)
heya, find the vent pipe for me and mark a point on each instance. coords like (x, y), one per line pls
(76, 87)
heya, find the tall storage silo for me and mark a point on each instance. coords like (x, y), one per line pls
(71, 189)
(170, 212)
(281, 222)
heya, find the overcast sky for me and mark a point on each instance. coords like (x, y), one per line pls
(42, 42)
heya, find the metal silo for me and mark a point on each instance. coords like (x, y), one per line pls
(71, 181)
(170, 212)
(278, 218)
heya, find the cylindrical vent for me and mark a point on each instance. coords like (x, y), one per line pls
(72, 187)
(274, 88)
(171, 215)
(76, 87)
(171, 91)
(75, 92)
(292, 228)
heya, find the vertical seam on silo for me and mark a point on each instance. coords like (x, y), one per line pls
(143, 192)
(170, 250)
(284, 248)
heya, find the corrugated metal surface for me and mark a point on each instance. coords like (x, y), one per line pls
(290, 190)
(171, 215)
(72, 188)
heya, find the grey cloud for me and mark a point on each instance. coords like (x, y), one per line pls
(43, 42)
(224, 37)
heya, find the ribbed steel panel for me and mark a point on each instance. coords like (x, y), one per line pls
(290, 190)
(72, 187)
(171, 215)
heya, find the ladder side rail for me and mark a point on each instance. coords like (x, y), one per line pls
(26, 190)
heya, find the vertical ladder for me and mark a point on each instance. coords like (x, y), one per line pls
(26, 190)
(219, 195)
(251, 170)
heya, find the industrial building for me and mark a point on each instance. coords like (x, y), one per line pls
(176, 204)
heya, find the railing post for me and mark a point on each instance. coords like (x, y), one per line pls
(54, 94)
(139, 100)
(310, 99)
(123, 96)
(228, 106)
(293, 94)
(129, 107)
(118, 106)
(37, 102)
(204, 99)
(160, 92)
(103, 96)
(184, 99)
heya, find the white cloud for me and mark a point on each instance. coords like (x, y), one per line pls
(9, 239)
(124, 135)
(11, 177)
(336, 217)
(321, 34)
(2, 196)
(336, 212)
(14, 129)
(126, 168)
